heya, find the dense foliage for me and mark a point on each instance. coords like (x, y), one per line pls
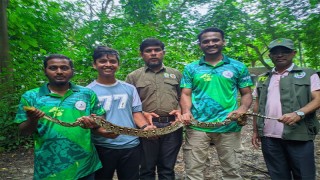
(40, 27)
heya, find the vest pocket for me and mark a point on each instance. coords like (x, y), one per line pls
(313, 126)
(302, 91)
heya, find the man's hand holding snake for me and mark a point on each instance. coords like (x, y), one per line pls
(186, 118)
(88, 123)
(290, 118)
(34, 115)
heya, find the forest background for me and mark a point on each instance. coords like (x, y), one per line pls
(33, 29)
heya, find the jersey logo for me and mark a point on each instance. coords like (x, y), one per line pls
(173, 76)
(227, 74)
(262, 78)
(80, 105)
(299, 75)
(167, 75)
(206, 77)
(56, 111)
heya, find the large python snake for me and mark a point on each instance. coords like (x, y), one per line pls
(148, 133)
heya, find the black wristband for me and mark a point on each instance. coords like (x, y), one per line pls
(144, 126)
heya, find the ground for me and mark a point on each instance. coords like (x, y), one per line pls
(18, 165)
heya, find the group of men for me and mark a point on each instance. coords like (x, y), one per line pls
(155, 96)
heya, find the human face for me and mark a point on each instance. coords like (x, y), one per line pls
(153, 56)
(282, 57)
(58, 72)
(106, 65)
(211, 43)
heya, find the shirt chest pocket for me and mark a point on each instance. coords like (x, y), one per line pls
(171, 86)
(145, 88)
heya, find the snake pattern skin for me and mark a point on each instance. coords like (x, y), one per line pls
(148, 133)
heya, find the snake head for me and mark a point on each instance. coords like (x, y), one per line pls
(29, 108)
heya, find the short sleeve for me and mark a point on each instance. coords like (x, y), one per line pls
(255, 91)
(136, 103)
(245, 78)
(186, 80)
(21, 115)
(96, 107)
(315, 82)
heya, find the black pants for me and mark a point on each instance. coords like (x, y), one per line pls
(160, 154)
(125, 161)
(288, 160)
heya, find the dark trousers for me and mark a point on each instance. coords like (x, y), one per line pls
(125, 161)
(160, 154)
(286, 159)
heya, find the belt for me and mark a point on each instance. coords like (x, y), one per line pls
(164, 119)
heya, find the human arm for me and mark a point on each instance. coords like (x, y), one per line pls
(255, 136)
(185, 105)
(313, 105)
(149, 116)
(139, 118)
(96, 111)
(29, 126)
(245, 103)
(88, 123)
(142, 122)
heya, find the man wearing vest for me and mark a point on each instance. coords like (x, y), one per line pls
(291, 95)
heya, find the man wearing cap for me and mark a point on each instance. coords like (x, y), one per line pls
(290, 95)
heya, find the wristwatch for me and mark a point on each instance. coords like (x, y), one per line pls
(300, 113)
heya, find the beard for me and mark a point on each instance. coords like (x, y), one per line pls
(154, 64)
(59, 83)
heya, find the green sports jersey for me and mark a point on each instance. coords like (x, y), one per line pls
(215, 90)
(62, 152)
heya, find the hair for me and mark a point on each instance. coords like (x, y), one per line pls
(104, 50)
(211, 29)
(151, 42)
(56, 56)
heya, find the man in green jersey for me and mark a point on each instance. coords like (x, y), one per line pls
(60, 152)
(210, 88)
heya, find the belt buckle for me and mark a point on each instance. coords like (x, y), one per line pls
(163, 119)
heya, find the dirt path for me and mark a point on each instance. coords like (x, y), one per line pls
(18, 165)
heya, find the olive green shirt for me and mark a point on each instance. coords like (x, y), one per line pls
(159, 91)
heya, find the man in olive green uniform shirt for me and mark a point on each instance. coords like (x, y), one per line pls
(159, 90)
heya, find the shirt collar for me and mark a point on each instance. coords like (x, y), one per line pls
(225, 59)
(44, 90)
(274, 71)
(146, 68)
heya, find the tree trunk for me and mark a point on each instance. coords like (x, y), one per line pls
(260, 55)
(4, 42)
(5, 70)
(300, 55)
